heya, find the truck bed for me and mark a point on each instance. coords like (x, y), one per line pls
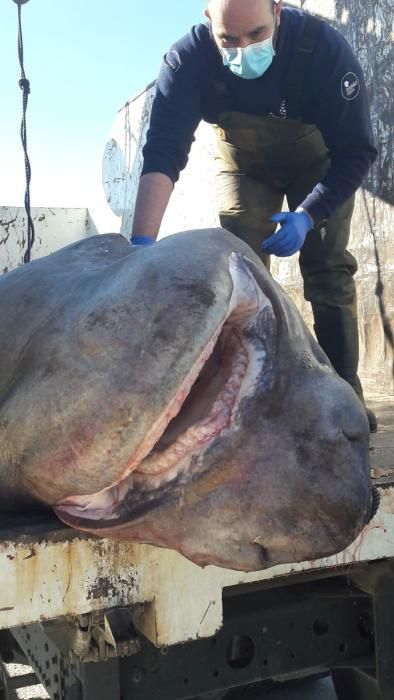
(48, 571)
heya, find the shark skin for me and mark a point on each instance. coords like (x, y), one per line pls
(172, 395)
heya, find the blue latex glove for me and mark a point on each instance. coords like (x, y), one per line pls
(142, 240)
(291, 235)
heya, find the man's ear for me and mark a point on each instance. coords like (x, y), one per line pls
(207, 14)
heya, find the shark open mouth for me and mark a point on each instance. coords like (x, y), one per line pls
(204, 407)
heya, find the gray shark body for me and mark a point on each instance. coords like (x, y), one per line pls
(171, 394)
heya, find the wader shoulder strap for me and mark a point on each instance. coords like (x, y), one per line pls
(296, 77)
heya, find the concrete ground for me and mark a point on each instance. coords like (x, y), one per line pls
(36, 692)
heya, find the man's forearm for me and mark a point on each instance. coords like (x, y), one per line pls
(153, 196)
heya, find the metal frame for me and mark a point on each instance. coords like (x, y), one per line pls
(343, 624)
(376, 682)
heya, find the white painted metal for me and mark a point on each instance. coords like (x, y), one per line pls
(54, 228)
(122, 160)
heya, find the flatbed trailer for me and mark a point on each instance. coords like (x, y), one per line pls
(106, 620)
(103, 620)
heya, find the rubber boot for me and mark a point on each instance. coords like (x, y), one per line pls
(336, 331)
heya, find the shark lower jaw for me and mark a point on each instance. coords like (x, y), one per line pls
(202, 410)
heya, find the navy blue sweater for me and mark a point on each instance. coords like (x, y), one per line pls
(335, 100)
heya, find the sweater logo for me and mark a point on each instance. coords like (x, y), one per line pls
(350, 86)
(172, 60)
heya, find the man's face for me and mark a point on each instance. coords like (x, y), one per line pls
(238, 23)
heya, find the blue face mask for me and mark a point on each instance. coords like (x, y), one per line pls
(250, 62)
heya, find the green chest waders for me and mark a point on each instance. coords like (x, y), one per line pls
(261, 160)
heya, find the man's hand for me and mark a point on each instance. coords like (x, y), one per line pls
(142, 240)
(291, 235)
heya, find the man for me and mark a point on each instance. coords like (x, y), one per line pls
(288, 102)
